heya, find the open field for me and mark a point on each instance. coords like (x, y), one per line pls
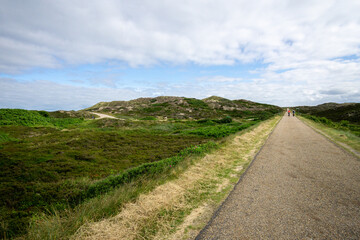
(345, 112)
(54, 161)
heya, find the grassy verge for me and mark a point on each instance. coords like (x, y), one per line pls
(342, 125)
(181, 206)
(342, 136)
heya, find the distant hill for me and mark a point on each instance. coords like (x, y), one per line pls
(183, 108)
(334, 111)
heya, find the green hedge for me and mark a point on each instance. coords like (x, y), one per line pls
(219, 131)
(342, 125)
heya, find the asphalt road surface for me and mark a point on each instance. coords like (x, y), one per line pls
(300, 186)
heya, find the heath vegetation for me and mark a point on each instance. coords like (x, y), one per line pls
(53, 161)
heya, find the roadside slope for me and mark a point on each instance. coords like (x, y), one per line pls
(180, 208)
(300, 186)
(345, 139)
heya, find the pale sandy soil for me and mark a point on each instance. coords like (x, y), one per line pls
(101, 115)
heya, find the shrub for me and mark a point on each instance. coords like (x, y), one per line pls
(226, 119)
(151, 109)
(148, 118)
(195, 103)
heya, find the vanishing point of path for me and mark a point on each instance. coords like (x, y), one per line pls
(300, 186)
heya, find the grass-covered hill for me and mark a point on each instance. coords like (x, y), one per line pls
(186, 108)
(334, 111)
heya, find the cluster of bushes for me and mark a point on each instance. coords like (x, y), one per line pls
(23, 117)
(196, 103)
(342, 125)
(226, 119)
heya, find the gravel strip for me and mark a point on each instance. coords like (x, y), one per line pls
(300, 186)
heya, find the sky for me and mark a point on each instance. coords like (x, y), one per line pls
(71, 54)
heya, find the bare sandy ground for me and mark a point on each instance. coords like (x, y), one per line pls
(101, 115)
(300, 186)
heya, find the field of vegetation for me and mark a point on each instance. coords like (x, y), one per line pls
(51, 161)
(335, 112)
(341, 122)
(343, 125)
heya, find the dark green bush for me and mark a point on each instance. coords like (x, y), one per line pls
(43, 113)
(195, 103)
(226, 119)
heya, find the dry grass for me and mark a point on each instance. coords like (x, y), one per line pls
(181, 207)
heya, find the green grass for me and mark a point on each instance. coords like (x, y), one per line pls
(149, 118)
(34, 171)
(342, 125)
(219, 131)
(33, 118)
(56, 163)
(62, 224)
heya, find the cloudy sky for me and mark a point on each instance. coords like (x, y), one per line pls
(73, 54)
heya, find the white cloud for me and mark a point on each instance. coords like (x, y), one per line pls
(46, 95)
(219, 79)
(39, 33)
(302, 44)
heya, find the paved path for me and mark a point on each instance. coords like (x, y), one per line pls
(300, 186)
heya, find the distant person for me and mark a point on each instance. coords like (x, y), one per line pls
(288, 113)
(293, 113)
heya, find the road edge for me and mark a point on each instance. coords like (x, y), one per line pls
(215, 214)
(341, 145)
